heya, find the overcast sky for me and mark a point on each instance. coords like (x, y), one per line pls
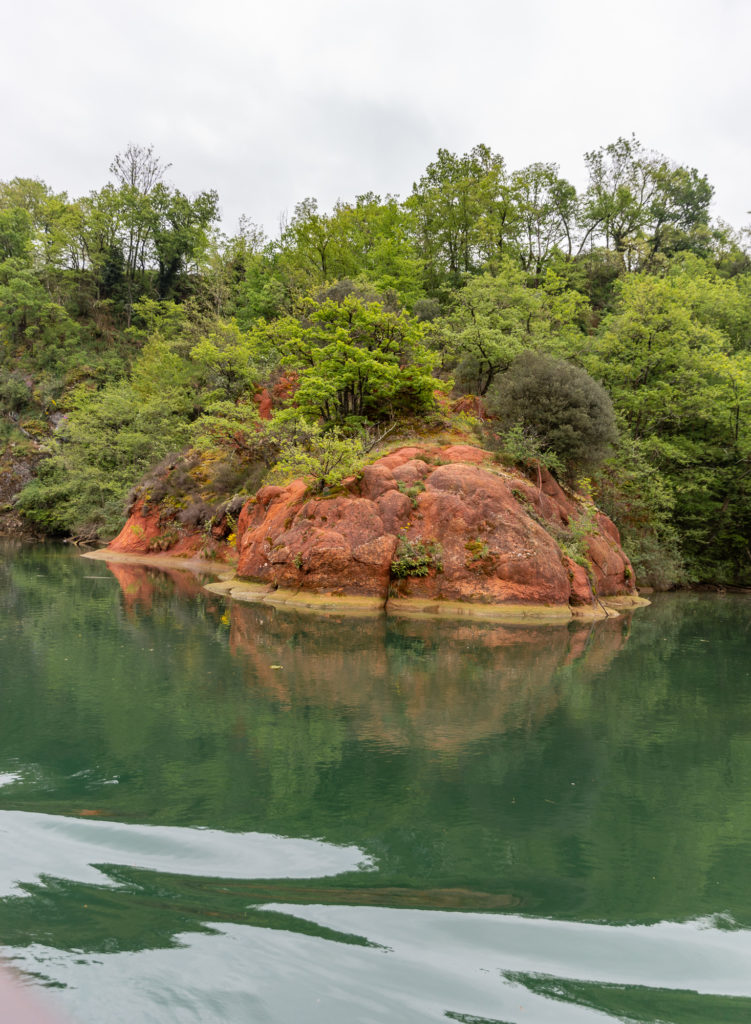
(271, 102)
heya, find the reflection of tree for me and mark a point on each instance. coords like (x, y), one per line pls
(149, 909)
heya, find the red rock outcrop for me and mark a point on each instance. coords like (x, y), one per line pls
(148, 532)
(436, 524)
(282, 391)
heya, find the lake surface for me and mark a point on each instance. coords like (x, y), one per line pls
(236, 814)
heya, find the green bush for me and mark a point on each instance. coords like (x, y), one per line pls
(411, 490)
(324, 456)
(15, 393)
(564, 410)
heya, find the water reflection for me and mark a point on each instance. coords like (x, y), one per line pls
(239, 785)
(403, 682)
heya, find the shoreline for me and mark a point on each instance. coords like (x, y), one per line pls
(220, 569)
(229, 586)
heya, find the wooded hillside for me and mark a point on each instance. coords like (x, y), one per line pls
(606, 332)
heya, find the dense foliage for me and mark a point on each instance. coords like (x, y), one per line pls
(132, 328)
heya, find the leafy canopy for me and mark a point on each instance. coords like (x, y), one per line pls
(356, 361)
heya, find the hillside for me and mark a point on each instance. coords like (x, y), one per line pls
(601, 338)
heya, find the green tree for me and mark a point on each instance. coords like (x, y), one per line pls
(496, 317)
(634, 195)
(181, 227)
(356, 361)
(546, 208)
(110, 439)
(683, 393)
(449, 203)
(325, 457)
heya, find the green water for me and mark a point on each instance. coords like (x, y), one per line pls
(213, 813)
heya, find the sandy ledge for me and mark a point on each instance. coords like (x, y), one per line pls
(266, 593)
(512, 614)
(220, 569)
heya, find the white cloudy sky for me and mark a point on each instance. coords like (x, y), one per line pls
(270, 102)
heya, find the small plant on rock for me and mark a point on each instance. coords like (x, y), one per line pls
(573, 541)
(477, 550)
(411, 490)
(416, 558)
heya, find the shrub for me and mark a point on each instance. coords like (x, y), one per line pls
(15, 393)
(328, 456)
(411, 490)
(573, 540)
(564, 409)
(477, 550)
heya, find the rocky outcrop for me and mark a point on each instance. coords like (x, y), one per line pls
(18, 464)
(148, 531)
(424, 529)
(435, 528)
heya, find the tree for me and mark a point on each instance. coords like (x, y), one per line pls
(377, 234)
(110, 439)
(356, 361)
(495, 317)
(36, 330)
(138, 168)
(634, 195)
(180, 232)
(546, 213)
(449, 202)
(327, 457)
(317, 245)
(683, 393)
(15, 234)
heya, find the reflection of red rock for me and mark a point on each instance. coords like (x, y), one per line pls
(492, 524)
(139, 583)
(401, 681)
(413, 681)
(135, 583)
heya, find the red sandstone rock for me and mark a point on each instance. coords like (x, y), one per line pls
(283, 390)
(581, 589)
(145, 533)
(494, 532)
(265, 404)
(471, 404)
(488, 531)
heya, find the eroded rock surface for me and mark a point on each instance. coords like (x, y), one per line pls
(472, 530)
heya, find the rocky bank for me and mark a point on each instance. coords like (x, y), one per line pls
(425, 529)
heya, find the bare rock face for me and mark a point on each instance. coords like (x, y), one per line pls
(438, 524)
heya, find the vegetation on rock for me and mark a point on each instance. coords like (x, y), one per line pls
(605, 332)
